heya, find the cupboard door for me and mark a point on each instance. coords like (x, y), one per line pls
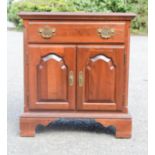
(51, 73)
(100, 77)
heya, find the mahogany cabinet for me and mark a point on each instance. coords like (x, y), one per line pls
(76, 66)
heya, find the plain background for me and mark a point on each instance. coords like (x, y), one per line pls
(3, 77)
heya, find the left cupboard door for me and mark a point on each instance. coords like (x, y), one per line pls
(51, 77)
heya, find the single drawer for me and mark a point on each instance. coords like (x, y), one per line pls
(76, 32)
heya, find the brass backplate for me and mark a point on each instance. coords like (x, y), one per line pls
(47, 32)
(106, 32)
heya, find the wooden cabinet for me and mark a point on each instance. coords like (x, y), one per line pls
(76, 66)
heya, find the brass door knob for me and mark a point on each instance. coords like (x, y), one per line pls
(106, 32)
(47, 32)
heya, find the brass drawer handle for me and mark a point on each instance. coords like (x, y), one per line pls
(71, 78)
(47, 32)
(81, 79)
(106, 32)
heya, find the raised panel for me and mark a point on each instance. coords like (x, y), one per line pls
(52, 78)
(103, 72)
(100, 79)
(49, 68)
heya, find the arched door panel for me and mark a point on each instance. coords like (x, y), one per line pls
(52, 80)
(100, 79)
(49, 73)
(100, 68)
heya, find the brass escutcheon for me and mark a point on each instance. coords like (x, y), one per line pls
(47, 32)
(71, 78)
(106, 32)
(81, 79)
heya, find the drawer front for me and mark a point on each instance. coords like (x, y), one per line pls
(76, 32)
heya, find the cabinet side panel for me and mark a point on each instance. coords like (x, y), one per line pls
(25, 58)
(127, 55)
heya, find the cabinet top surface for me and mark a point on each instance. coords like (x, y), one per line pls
(76, 16)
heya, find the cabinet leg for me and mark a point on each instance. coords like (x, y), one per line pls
(27, 128)
(123, 129)
(123, 126)
(28, 125)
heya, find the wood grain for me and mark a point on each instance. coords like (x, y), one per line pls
(49, 67)
(76, 32)
(52, 78)
(121, 122)
(77, 16)
(103, 85)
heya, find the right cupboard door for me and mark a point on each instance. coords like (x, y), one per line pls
(100, 82)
